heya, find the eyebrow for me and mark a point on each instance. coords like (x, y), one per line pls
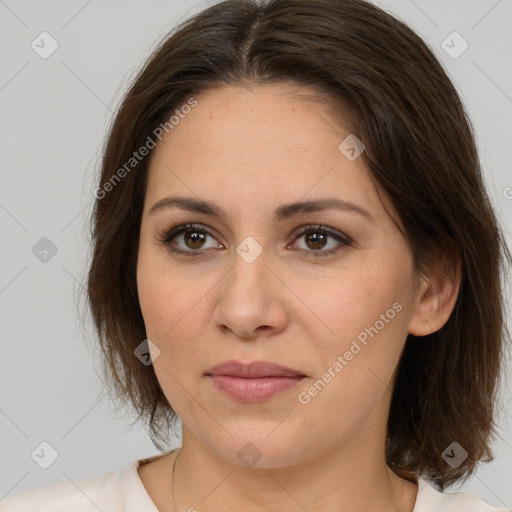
(281, 213)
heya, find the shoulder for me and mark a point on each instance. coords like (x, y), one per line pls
(430, 499)
(92, 494)
(110, 492)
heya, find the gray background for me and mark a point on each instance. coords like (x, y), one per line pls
(54, 113)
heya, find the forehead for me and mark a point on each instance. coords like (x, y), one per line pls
(264, 144)
(273, 117)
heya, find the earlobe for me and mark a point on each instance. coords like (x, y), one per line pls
(435, 299)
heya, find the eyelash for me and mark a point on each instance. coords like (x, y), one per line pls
(169, 235)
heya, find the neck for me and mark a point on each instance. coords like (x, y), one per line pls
(349, 479)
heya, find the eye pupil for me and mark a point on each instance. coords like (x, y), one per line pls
(195, 238)
(318, 240)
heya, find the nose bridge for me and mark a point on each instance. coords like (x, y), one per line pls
(249, 273)
(247, 298)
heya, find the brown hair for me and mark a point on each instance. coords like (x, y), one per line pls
(419, 149)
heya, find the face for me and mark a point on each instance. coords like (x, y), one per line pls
(327, 292)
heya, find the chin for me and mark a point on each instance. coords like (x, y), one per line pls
(260, 452)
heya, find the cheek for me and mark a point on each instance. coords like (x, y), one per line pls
(174, 305)
(167, 293)
(364, 326)
(344, 303)
(169, 305)
(357, 362)
(375, 298)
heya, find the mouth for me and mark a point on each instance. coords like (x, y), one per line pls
(253, 382)
(253, 370)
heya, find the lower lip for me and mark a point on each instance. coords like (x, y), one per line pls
(253, 390)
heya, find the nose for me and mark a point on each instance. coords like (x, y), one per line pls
(251, 300)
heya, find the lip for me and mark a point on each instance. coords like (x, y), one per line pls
(253, 369)
(254, 381)
(253, 389)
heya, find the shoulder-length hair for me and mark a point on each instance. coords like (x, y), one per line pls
(420, 150)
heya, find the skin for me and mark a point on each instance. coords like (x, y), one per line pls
(251, 150)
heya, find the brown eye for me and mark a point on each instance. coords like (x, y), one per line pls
(317, 240)
(188, 239)
(191, 240)
(194, 239)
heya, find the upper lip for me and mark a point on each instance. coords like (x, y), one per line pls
(253, 369)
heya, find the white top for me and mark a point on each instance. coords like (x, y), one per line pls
(123, 491)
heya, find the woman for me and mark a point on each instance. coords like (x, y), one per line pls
(295, 255)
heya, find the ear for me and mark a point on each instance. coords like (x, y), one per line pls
(436, 296)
